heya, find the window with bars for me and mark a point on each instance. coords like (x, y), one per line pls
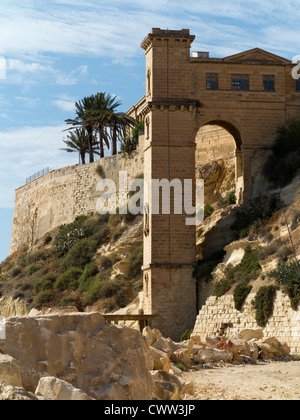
(240, 82)
(212, 81)
(269, 83)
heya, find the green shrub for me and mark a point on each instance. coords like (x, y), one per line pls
(100, 171)
(287, 275)
(186, 335)
(68, 301)
(208, 211)
(16, 271)
(69, 235)
(80, 254)
(33, 269)
(240, 294)
(257, 210)
(68, 280)
(228, 201)
(135, 259)
(42, 299)
(248, 269)
(264, 304)
(205, 267)
(282, 166)
(222, 287)
(104, 288)
(87, 277)
(45, 283)
(34, 257)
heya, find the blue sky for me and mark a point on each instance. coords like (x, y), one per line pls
(58, 51)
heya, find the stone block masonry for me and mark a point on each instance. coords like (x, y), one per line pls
(219, 316)
(63, 194)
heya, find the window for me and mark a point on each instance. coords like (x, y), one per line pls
(212, 81)
(269, 83)
(240, 82)
(298, 85)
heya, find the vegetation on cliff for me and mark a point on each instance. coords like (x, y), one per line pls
(66, 268)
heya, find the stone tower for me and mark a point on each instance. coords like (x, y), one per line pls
(169, 243)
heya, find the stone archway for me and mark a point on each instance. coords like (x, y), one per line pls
(220, 142)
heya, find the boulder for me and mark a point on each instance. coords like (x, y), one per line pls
(237, 346)
(10, 393)
(272, 348)
(57, 390)
(183, 356)
(209, 354)
(206, 341)
(169, 387)
(151, 335)
(251, 334)
(161, 360)
(10, 371)
(105, 361)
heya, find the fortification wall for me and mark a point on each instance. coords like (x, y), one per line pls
(63, 194)
(219, 315)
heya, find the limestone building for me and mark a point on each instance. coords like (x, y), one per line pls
(247, 94)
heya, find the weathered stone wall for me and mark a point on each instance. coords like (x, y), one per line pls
(213, 143)
(220, 316)
(63, 194)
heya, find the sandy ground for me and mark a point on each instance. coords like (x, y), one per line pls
(268, 381)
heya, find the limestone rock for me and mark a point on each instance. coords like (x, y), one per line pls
(161, 360)
(272, 348)
(57, 390)
(251, 334)
(206, 341)
(10, 393)
(10, 371)
(103, 360)
(169, 387)
(209, 354)
(151, 335)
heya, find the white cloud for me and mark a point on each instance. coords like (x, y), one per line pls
(26, 151)
(115, 29)
(66, 106)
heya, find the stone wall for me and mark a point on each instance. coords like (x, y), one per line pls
(219, 316)
(214, 143)
(60, 196)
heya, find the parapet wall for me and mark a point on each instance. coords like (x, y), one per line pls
(63, 194)
(219, 316)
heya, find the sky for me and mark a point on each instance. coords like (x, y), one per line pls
(55, 52)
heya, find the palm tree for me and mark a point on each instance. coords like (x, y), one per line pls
(82, 108)
(97, 114)
(78, 141)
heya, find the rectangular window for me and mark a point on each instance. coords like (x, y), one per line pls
(269, 83)
(298, 85)
(212, 81)
(240, 82)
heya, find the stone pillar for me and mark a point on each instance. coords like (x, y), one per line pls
(169, 243)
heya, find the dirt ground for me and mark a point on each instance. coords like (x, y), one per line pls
(265, 381)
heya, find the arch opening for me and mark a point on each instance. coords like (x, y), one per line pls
(219, 161)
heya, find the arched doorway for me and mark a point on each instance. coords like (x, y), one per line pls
(219, 161)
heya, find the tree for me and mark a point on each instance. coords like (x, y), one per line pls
(97, 114)
(78, 141)
(82, 109)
